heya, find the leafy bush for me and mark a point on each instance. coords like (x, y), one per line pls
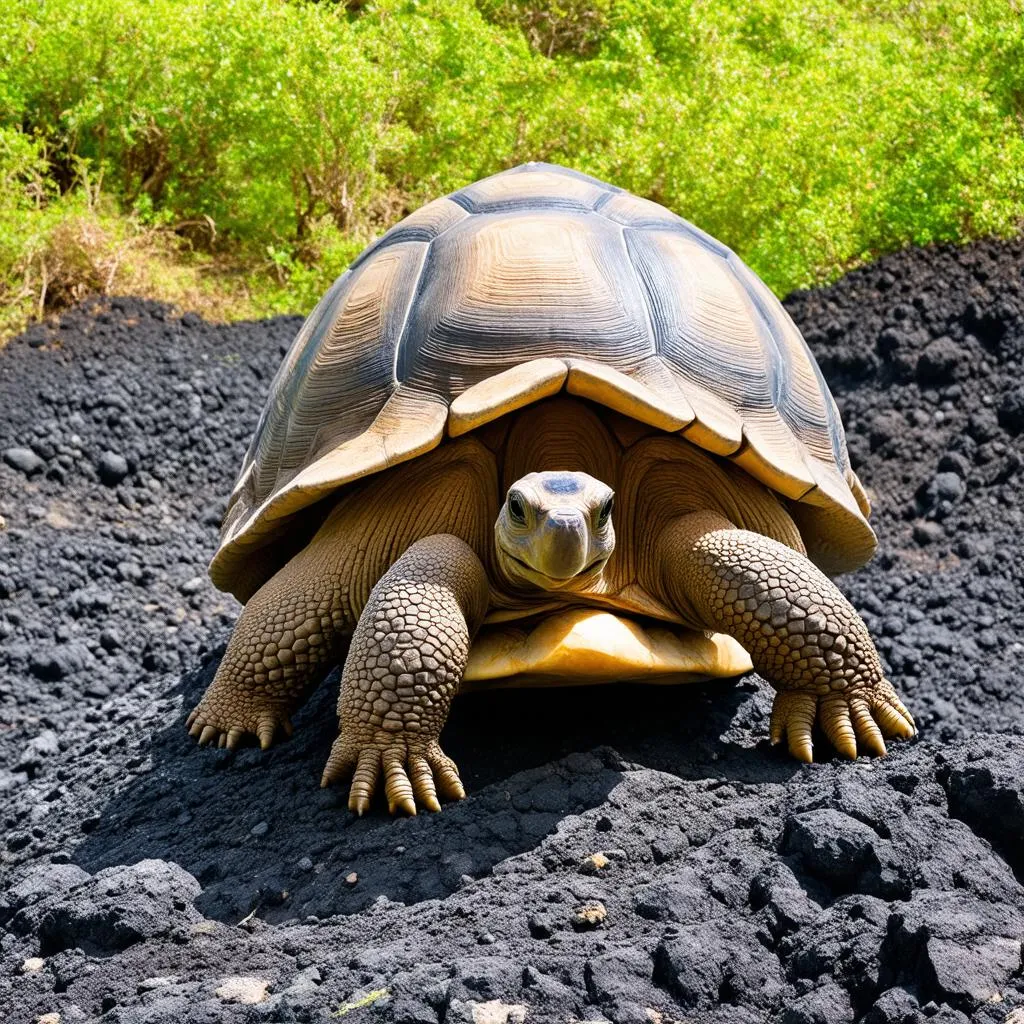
(265, 142)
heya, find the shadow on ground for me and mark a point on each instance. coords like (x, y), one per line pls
(259, 833)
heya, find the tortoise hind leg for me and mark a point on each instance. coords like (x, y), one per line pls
(803, 636)
(285, 641)
(404, 666)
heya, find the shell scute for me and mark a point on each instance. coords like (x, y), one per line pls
(422, 225)
(623, 393)
(505, 392)
(536, 190)
(503, 289)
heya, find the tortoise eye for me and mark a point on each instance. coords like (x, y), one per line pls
(606, 511)
(516, 509)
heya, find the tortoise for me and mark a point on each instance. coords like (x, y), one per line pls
(434, 473)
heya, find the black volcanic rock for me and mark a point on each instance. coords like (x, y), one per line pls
(738, 885)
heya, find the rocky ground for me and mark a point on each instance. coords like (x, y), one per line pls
(626, 855)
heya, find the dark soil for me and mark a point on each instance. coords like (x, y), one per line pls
(142, 874)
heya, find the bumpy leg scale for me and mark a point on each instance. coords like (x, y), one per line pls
(404, 666)
(803, 636)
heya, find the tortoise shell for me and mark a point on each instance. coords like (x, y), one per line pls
(531, 282)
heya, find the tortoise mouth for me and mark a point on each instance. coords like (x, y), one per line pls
(556, 582)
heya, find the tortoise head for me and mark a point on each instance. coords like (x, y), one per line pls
(555, 531)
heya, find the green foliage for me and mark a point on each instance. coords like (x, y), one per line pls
(31, 210)
(279, 137)
(568, 27)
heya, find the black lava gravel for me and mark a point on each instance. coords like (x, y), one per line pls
(626, 854)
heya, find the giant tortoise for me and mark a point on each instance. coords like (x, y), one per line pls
(434, 472)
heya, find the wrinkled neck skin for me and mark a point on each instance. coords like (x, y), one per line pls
(511, 579)
(553, 535)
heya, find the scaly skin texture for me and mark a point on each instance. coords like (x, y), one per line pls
(293, 628)
(803, 636)
(404, 666)
(287, 638)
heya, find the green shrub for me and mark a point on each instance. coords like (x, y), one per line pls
(273, 139)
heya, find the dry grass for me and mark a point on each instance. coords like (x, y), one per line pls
(99, 252)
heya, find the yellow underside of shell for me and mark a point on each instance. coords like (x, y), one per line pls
(586, 646)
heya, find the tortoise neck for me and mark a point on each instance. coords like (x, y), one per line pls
(560, 434)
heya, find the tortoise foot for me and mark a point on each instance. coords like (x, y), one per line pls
(855, 721)
(210, 723)
(414, 770)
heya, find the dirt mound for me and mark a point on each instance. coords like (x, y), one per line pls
(149, 881)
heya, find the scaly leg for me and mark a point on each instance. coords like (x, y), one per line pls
(286, 639)
(803, 636)
(405, 664)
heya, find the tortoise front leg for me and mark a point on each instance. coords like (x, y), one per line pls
(802, 635)
(404, 666)
(285, 641)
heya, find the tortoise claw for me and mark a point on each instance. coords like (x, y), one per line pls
(226, 730)
(855, 723)
(412, 777)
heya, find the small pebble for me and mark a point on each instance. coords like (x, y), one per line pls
(494, 1011)
(25, 460)
(589, 915)
(148, 984)
(351, 878)
(540, 926)
(594, 863)
(259, 830)
(928, 533)
(112, 468)
(110, 639)
(130, 572)
(243, 990)
(32, 965)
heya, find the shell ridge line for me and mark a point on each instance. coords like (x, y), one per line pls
(462, 200)
(704, 240)
(300, 353)
(646, 297)
(778, 347)
(568, 172)
(831, 412)
(393, 236)
(835, 421)
(835, 424)
(293, 370)
(371, 250)
(399, 367)
(641, 290)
